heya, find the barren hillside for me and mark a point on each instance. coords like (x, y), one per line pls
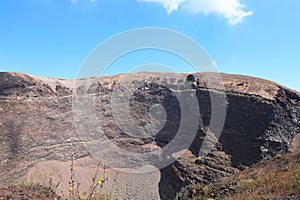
(38, 132)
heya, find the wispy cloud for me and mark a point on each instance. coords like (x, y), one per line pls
(233, 10)
(75, 1)
(169, 5)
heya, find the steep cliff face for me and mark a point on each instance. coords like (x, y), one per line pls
(273, 178)
(255, 128)
(37, 124)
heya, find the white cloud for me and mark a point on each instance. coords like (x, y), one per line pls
(169, 5)
(232, 10)
(75, 1)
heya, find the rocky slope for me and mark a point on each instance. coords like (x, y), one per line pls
(275, 178)
(37, 126)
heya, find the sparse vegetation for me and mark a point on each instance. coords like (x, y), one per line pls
(52, 186)
(278, 178)
(28, 190)
(37, 191)
(297, 180)
(49, 189)
(94, 192)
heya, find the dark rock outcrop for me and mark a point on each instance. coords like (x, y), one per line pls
(262, 119)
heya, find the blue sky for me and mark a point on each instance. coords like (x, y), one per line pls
(53, 37)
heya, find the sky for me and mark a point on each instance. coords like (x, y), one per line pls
(52, 38)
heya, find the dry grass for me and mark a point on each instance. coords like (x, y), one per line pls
(274, 179)
(47, 191)
(267, 184)
(25, 190)
(278, 178)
